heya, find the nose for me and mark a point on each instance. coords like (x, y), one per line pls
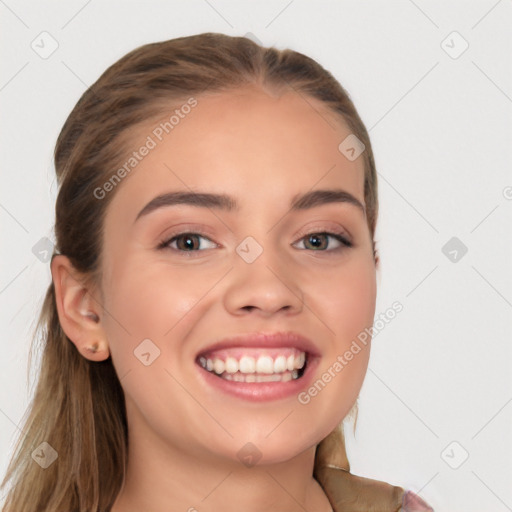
(266, 286)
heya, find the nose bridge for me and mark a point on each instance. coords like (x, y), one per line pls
(262, 278)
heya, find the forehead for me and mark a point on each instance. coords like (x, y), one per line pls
(247, 143)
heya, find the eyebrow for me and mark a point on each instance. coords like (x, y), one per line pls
(227, 203)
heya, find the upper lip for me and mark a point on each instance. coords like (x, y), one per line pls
(265, 340)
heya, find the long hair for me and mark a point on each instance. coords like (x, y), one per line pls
(78, 407)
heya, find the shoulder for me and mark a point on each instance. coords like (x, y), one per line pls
(352, 493)
(411, 502)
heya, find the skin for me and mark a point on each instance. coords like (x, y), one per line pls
(184, 435)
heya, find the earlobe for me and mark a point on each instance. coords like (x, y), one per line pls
(79, 312)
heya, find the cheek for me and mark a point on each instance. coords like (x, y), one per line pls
(346, 305)
(146, 302)
(346, 298)
(153, 302)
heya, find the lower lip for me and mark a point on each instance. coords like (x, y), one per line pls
(262, 391)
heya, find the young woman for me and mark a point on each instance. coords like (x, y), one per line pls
(215, 269)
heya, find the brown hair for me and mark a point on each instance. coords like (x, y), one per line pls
(78, 407)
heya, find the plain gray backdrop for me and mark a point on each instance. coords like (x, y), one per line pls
(433, 83)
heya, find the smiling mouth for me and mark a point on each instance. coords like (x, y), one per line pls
(255, 365)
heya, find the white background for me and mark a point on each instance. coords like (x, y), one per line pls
(441, 130)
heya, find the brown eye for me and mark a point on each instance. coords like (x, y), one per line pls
(185, 242)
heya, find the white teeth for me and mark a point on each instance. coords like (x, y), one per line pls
(287, 377)
(231, 365)
(243, 370)
(251, 377)
(265, 364)
(238, 377)
(247, 364)
(268, 378)
(299, 361)
(280, 364)
(218, 366)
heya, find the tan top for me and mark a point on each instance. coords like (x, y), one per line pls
(351, 493)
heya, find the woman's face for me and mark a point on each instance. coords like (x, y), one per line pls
(263, 267)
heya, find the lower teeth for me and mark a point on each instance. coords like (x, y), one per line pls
(252, 377)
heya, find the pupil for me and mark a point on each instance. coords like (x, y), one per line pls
(316, 240)
(189, 243)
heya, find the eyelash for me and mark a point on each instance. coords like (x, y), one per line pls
(345, 244)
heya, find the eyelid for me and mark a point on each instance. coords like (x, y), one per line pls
(313, 227)
(186, 228)
(325, 226)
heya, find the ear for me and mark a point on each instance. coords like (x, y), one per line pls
(80, 312)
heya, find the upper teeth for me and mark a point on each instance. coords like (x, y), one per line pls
(248, 364)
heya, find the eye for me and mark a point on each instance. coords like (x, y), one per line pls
(319, 241)
(185, 242)
(188, 241)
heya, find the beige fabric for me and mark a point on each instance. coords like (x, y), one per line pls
(345, 491)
